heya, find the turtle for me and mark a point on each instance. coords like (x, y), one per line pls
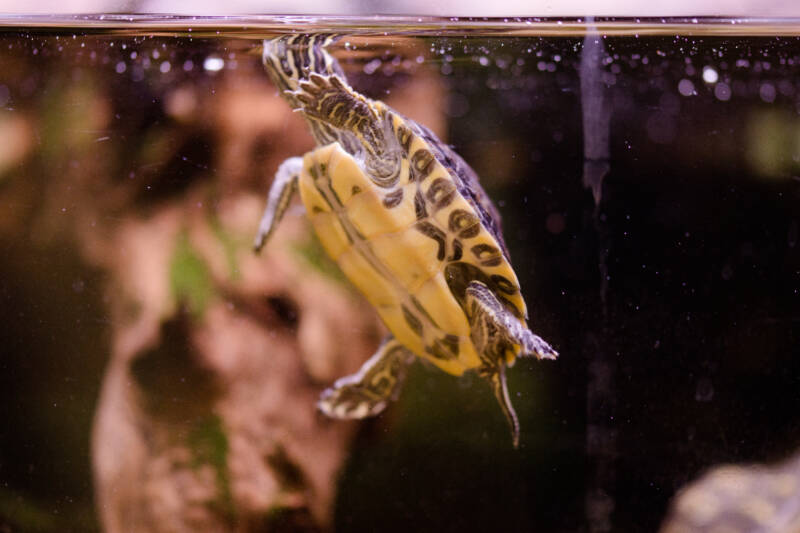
(408, 223)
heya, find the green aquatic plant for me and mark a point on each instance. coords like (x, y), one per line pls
(189, 277)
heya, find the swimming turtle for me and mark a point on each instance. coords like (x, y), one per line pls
(408, 223)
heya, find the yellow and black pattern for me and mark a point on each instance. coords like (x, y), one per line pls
(327, 99)
(408, 223)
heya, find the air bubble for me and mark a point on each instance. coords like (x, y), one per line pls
(372, 66)
(722, 92)
(213, 64)
(767, 92)
(686, 87)
(710, 75)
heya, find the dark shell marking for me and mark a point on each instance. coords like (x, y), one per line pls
(413, 322)
(441, 193)
(459, 274)
(393, 199)
(445, 348)
(487, 255)
(404, 137)
(464, 223)
(458, 251)
(503, 285)
(422, 163)
(419, 206)
(429, 230)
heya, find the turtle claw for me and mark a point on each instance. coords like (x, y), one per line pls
(319, 81)
(349, 401)
(534, 345)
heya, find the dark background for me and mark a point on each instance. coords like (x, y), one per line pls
(695, 329)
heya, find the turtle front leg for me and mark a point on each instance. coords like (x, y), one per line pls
(329, 99)
(495, 330)
(280, 195)
(368, 391)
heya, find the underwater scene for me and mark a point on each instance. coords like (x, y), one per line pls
(566, 253)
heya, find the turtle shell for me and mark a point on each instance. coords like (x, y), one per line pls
(413, 248)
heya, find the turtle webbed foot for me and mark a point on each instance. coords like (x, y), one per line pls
(368, 391)
(487, 310)
(350, 401)
(328, 99)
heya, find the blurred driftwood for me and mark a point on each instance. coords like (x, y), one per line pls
(206, 420)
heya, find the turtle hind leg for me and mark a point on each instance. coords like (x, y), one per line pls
(489, 309)
(280, 195)
(368, 391)
(494, 331)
